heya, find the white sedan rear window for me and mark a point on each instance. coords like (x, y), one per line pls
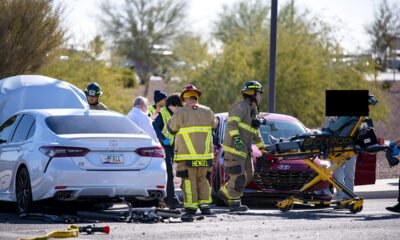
(91, 124)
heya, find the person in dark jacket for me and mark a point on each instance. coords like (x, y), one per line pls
(159, 102)
(395, 146)
(166, 139)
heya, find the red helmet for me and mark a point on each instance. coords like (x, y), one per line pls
(188, 88)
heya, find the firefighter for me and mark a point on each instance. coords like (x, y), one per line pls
(93, 93)
(192, 126)
(166, 139)
(242, 129)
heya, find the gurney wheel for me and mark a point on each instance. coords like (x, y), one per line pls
(287, 208)
(355, 210)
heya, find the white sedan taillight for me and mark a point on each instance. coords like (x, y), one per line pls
(63, 151)
(151, 152)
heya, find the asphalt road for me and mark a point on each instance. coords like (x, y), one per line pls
(374, 222)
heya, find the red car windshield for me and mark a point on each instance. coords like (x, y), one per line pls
(276, 129)
(272, 132)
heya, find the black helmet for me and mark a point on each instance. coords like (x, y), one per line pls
(93, 89)
(251, 87)
(372, 100)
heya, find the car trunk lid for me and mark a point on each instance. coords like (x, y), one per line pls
(112, 151)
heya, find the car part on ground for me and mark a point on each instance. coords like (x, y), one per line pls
(71, 232)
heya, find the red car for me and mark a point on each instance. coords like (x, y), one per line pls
(277, 180)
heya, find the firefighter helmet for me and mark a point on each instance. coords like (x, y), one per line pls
(372, 100)
(93, 89)
(190, 91)
(251, 87)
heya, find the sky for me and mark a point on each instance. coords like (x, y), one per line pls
(347, 17)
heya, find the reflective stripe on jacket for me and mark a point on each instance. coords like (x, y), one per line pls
(152, 109)
(193, 128)
(239, 123)
(165, 117)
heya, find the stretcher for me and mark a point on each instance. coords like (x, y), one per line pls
(336, 148)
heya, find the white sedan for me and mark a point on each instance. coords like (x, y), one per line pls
(69, 154)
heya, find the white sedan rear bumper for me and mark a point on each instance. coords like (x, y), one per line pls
(80, 183)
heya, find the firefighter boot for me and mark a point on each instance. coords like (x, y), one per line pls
(188, 216)
(223, 197)
(205, 209)
(236, 206)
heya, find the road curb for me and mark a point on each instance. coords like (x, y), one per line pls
(378, 194)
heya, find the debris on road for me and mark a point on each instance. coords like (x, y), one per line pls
(71, 232)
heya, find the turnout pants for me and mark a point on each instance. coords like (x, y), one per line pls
(240, 173)
(195, 185)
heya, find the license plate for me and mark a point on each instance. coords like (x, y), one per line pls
(112, 158)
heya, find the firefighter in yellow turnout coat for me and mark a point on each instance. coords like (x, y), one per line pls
(192, 126)
(242, 130)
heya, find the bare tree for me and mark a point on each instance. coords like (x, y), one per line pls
(29, 31)
(383, 29)
(138, 26)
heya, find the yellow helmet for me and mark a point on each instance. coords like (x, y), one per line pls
(190, 91)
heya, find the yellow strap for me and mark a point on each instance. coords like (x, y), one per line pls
(234, 151)
(72, 231)
(360, 120)
(248, 128)
(234, 133)
(237, 119)
(180, 157)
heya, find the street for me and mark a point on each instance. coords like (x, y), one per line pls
(374, 222)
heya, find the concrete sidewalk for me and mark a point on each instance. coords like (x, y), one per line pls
(383, 188)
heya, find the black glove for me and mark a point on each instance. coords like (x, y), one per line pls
(256, 123)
